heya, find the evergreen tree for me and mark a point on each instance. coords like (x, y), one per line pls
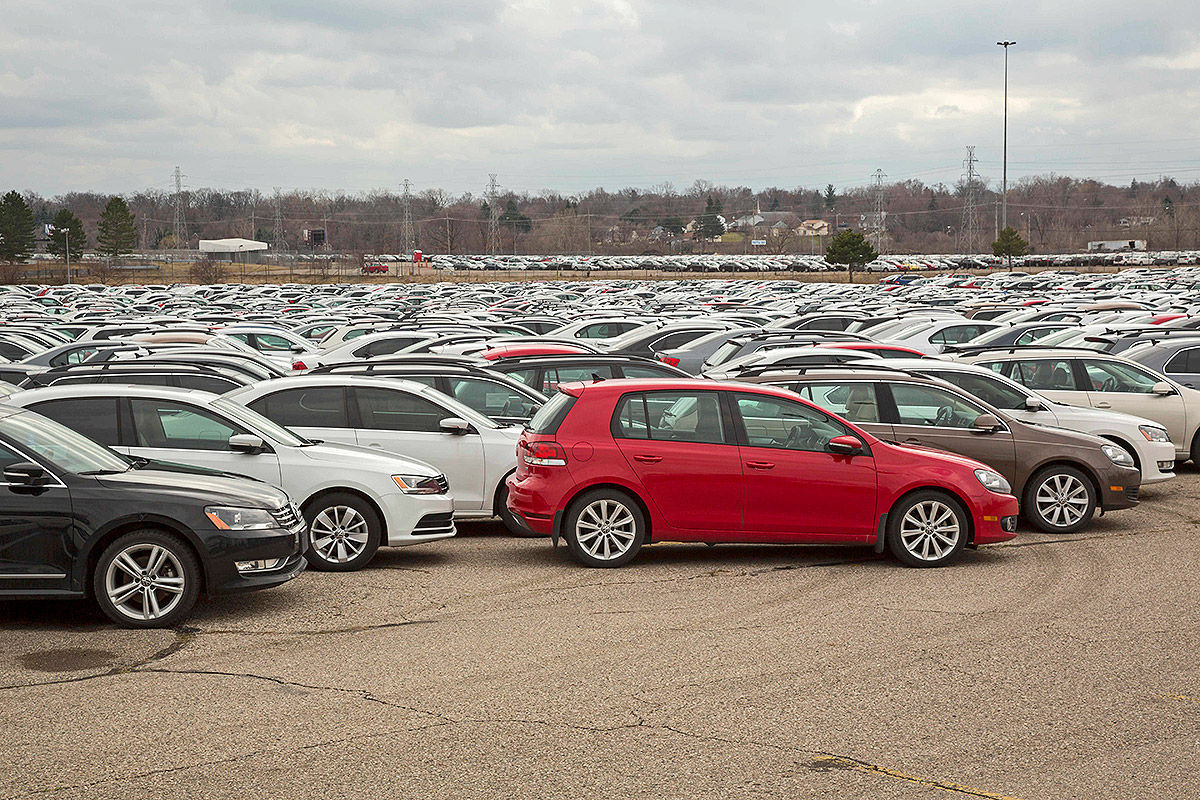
(852, 249)
(116, 234)
(672, 225)
(1010, 244)
(68, 231)
(513, 218)
(16, 228)
(709, 224)
(830, 197)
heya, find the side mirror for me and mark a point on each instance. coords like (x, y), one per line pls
(986, 423)
(297, 349)
(1033, 404)
(25, 475)
(1163, 388)
(455, 426)
(247, 443)
(845, 445)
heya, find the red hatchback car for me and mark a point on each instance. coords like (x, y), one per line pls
(613, 465)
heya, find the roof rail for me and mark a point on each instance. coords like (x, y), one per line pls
(1013, 348)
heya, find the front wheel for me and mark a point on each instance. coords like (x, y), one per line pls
(927, 529)
(1059, 499)
(146, 579)
(344, 532)
(604, 528)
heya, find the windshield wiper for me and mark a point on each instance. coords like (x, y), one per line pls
(104, 472)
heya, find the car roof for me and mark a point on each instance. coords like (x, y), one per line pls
(623, 385)
(113, 390)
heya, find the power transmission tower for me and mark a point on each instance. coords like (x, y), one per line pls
(970, 213)
(493, 215)
(277, 241)
(409, 243)
(880, 222)
(180, 227)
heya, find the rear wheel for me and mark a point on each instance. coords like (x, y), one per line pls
(927, 529)
(604, 528)
(146, 579)
(344, 532)
(1059, 499)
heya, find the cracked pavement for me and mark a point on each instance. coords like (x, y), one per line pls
(492, 667)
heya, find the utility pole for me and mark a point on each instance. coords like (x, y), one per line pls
(880, 215)
(970, 214)
(67, 251)
(493, 216)
(180, 228)
(1004, 181)
(406, 230)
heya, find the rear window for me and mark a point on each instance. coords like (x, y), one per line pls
(551, 415)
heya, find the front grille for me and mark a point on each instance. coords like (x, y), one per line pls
(287, 517)
(433, 524)
(1131, 492)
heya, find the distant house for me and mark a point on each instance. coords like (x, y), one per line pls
(777, 221)
(815, 227)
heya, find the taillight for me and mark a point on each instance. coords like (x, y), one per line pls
(671, 362)
(544, 454)
(299, 365)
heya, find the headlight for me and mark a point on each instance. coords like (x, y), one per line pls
(1118, 455)
(993, 481)
(1153, 433)
(240, 519)
(419, 484)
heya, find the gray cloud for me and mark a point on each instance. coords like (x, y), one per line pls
(570, 94)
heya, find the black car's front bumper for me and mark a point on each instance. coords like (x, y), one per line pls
(230, 547)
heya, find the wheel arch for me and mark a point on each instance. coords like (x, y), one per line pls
(625, 489)
(1065, 462)
(361, 495)
(118, 528)
(958, 496)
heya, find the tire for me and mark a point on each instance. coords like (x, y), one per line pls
(344, 532)
(1196, 450)
(1059, 499)
(147, 579)
(509, 519)
(927, 529)
(604, 528)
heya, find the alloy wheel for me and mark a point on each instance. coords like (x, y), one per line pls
(1062, 500)
(339, 534)
(606, 529)
(145, 581)
(930, 530)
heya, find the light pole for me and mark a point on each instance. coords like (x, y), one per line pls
(67, 251)
(1004, 180)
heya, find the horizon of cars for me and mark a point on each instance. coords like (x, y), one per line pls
(430, 404)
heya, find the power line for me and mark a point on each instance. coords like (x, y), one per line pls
(180, 227)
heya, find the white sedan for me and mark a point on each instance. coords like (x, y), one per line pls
(354, 499)
(475, 453)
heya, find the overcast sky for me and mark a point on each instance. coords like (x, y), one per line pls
(573, 94)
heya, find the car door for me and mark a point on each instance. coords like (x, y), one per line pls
(403, 422)
(174, 431)
(795, 489)
(931, 416)
(36, 526)
(314, 412)
(1050, 377)
(679, 448)
(1117, 386)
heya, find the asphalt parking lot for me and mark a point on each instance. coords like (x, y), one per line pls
(492, 667)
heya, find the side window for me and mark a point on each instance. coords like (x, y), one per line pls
(313, 407)
(599, 330)
(1046, 374)
(853, 401)
(9, 457)
(646, 371)
(685, 417)
(390, 410)
(94, 417)
(424, 380)
(491, 398)
(629, 420)
(933, 406)
(270, 343)
(677, 339)
(168, 424)
(76, 356)
(1113, 376)
(206, 383)
(382, 347)
(525, 376)
(779, 423)
(553, 377)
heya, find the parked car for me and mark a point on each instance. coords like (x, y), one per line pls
(612, 466)
(354, 499)
(1061, 476)
(77, 520)
(545, 373)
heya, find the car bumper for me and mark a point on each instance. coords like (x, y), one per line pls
(995, 518)
(1119, 488)
(417, 518)
(1155, 458)
(221, 568)
(533, 502)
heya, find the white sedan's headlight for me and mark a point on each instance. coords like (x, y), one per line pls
(420, 484)
(1118, 455)
(1153, 433)
(993, 481)
(240, 519)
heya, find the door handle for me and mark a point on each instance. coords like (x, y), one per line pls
(760, 464)
(376, 445)
(1103, 404)
(647, 459)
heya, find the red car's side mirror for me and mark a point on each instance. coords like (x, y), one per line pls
(845, 445)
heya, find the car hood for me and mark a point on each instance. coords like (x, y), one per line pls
(211, 489)
(942, 455)
(351, 456)
(1097, 416)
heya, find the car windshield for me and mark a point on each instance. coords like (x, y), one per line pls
(59, 445)
(992, 391)
(260, 424)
